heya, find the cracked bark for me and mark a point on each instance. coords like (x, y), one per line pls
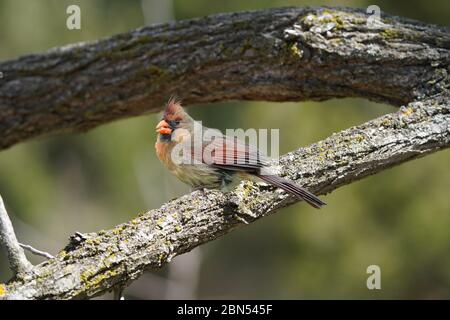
(278, 55)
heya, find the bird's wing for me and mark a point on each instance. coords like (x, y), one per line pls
(231, 153)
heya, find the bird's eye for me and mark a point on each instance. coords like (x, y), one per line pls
(174, 123)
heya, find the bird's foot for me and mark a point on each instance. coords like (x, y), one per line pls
(202, 189)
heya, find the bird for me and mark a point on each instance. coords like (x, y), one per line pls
(217, 164)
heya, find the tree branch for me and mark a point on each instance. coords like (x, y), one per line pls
(280, 55)
(36, 251)
(277, 55)
(18, 262)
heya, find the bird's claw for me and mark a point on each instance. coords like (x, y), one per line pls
(202, 189)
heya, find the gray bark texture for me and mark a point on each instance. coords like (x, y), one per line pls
(287, 54)
(17, 260)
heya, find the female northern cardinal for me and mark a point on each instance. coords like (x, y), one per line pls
(217, 163)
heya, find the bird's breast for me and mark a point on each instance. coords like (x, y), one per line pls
(196, 175)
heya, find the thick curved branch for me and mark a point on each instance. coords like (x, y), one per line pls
(107, 259)
(278, 55)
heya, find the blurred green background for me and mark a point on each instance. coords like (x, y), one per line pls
(399, 219)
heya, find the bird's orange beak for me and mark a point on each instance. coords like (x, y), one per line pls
(163, 128)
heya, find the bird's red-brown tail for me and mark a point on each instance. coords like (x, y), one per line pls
(293, 189)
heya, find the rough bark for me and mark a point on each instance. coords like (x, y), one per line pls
(281, 54)
(278, 55)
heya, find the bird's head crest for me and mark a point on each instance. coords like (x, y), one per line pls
(173, 109)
